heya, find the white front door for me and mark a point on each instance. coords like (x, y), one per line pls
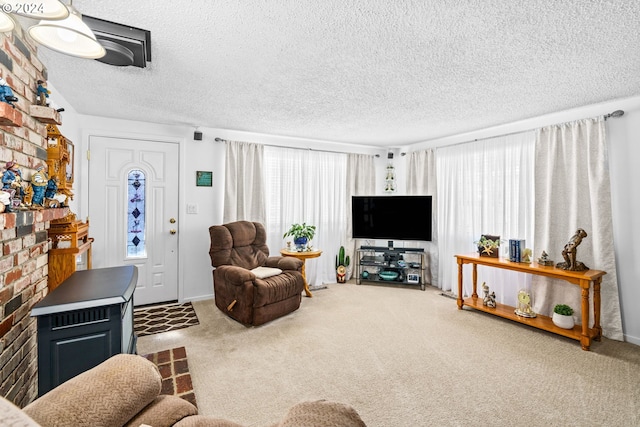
(133, 211)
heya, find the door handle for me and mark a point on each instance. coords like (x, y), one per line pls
(172, 231)
(172, 220)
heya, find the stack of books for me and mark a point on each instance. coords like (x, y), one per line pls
(516, 249)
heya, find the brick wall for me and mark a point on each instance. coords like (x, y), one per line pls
(23, 282)
(23, 235)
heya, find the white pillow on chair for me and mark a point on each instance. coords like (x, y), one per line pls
(264, 272)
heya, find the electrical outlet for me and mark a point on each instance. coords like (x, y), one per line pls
(192, 208)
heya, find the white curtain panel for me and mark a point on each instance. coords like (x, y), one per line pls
(572, 191)
(421, 181)
(244, 183)
(484, 187)
(307, 186)
(361, 181)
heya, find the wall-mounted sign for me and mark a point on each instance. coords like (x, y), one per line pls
(204, 178)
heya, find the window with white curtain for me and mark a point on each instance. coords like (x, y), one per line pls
(485, 187)
(307, 186)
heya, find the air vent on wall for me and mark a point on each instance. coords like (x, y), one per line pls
(125, 45)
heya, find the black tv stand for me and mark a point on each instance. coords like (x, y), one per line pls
(407, 264)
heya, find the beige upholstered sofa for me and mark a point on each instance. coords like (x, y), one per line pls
(125, 391)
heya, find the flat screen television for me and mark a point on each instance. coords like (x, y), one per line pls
(391, 217)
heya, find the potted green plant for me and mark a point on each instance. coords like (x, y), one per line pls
(563, 316)
(302, 234)
(489, 246)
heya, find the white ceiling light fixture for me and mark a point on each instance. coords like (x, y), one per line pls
(6, 23)
(43, 9)
(70, 36)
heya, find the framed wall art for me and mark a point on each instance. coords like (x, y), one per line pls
(204, 178)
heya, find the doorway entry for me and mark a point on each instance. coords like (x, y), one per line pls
(133, 211)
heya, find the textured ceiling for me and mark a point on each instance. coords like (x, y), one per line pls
(372, 72)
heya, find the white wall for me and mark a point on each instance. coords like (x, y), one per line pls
(196, 280)
(195, 266)
(624, 160)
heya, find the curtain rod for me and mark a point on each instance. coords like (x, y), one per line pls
(614, 114)
(294, 148)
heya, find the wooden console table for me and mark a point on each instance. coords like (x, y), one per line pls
(582, 332)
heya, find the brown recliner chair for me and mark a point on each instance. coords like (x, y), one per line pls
(242, 288)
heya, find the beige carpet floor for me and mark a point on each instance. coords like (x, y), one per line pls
(404, 357)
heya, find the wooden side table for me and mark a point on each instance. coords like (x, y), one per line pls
(302, 256)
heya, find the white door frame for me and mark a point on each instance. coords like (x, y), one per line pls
(81, 181)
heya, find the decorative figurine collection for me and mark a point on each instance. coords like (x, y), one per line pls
(41, 191)
(524, 304)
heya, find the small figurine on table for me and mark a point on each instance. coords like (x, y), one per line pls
(489, 298)
(39, 182)
(569, 253)
(43, 93)
(6, 94)
(544, 259)
(12, 180)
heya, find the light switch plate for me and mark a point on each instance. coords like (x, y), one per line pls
(192, 208)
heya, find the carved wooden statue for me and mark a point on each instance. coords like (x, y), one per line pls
(569, 253)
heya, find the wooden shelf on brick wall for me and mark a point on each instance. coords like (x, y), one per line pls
(9, 116)
(45, 114)
(69, 239)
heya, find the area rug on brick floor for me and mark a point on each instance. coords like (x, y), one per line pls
(162, 318)
(174, 369)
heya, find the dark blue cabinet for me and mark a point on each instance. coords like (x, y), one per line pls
(84, 321)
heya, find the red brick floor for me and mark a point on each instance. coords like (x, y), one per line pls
(174, 369)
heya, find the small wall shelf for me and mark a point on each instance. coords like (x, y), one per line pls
(9, 116)
(45, 114)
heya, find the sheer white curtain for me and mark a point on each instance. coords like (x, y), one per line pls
(485, 187)
(307, 186)
(361, 181)
(244, 183)
(421, 180)
(572, 191)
